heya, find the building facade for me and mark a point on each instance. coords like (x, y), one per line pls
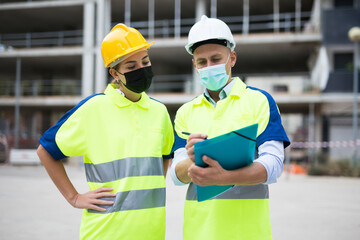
(297, 50)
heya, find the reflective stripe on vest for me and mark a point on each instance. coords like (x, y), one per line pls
(139, 180)
(132, 200)
(260, 191)
(126, 167)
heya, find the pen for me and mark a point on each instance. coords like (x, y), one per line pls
(187, 133)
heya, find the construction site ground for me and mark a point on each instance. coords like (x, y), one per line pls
(301, 206)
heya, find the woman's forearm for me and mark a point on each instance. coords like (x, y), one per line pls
(57, 173)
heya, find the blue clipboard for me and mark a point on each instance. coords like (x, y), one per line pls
(232, 150)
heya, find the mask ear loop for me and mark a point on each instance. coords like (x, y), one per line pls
(227, 62)
(118, 79)
(228, 59)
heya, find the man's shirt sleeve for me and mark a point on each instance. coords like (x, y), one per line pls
(178, 149)
(271, 156)
(179, 155)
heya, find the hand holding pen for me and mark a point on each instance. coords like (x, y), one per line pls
(193, 138)
(202, 135)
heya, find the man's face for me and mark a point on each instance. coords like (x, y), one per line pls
(213, 54)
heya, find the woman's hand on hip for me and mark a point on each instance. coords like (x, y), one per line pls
(91, 199)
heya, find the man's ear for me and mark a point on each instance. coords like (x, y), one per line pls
(233, 58)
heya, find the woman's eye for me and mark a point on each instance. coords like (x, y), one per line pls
(146, 63)
(131, 67)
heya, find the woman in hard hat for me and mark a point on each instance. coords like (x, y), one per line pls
(125, 138)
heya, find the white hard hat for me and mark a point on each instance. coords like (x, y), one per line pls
(209, 29)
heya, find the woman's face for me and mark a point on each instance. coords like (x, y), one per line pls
(134, 62)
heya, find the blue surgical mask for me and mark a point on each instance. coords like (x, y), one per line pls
(214, 77)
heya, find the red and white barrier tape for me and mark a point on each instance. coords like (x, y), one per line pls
(331, 144)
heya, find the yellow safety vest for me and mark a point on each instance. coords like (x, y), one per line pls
(123, 144)
(243, 211)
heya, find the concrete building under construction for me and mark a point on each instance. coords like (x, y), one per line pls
(297, 50)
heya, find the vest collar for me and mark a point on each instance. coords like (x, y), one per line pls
(122, 101)
(237, 90)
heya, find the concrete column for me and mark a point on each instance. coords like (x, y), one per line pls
(200, 10)
(311, 132)
(318, 124)
(127, 12)
(151, 21)
(298, 16)
(177, 19)
(276, 16)
(107, 19)
(103, 18)
(355, 102)
(213, 10)
(245, 26)
(34, 121)
(17, 103)
(87, 81)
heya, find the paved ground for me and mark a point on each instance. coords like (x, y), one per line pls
(302, 207)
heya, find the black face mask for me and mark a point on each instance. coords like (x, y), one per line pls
(139, 80)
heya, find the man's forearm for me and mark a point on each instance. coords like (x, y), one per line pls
(181, 170)
(250, 175)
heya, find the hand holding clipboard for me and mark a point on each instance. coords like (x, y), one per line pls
(232, 150)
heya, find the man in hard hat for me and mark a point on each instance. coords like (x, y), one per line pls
(125, 138)
(227, 104)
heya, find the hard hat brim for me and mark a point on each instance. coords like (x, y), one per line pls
(147, 46)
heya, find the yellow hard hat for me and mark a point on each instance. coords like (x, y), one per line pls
(121, 41)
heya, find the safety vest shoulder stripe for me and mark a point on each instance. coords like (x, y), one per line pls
(48, 138)
(134, 200)
(260, 191)
(274, 130)
(126, 167)
(156, 100)
(178, 143)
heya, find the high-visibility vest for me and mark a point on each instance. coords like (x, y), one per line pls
(243, 211)
(123, 144)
